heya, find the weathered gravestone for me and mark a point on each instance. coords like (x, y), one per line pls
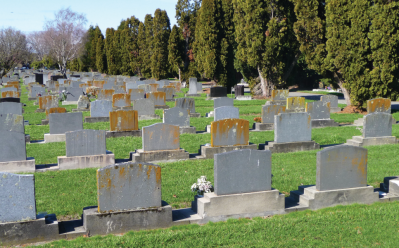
(48, 102)
(226, 112)
(187, 103)
(121, 100)
(320, 114)
(73, 94)
(333, 100)
(105, 94)
(123, 120)
(239, 90)
(12, 138)
(17, 194)
(145, 87)
(131, 85)
(341, 179)
(222, 102)
(100, 108)
(177, 116)
(217, 92)
(267, 117)
(382, 105)
(119, 89)
(154, 87)
(158, 98)
(85, 142)
(193, 87)
(295, 104)
(253, 196)
(65, 122)
(145, 108)
(37, 90)
(8, 89)
(10, 108)
(136, 94)
(160, 136)
(83, 103)
(168, 93)
(230, 132)
(8, 94)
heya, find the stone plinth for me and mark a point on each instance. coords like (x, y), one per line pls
(89, 119)
(291, 146)
(188, 130)
(208, 152)
(51, 138)
(374, 141)
(27, 165)
(154, 156)
(116, 134)
(83, 162)
(263, 126)
(324, 123)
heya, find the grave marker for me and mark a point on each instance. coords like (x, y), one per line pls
(230, 132)
(160, 136)
(144, 107)
(121, 100)
(100, 108)
(123, 120)
(292, 127)
(85, 142)
(379, 105)
(226, 112)
(61, 123)
(177, 116)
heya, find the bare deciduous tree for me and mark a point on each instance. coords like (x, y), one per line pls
(38, 44)
(13, 48)
(65, 36)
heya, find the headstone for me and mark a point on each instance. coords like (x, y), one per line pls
(269, 111)
(168, 93)
(10, 99)
(222, 102)
(66, 122)
(119, 89)
(239, 90)
(129, 186)
(318, 110)
(230, 132)
(131, 85)
(73, 94)
(379, 105)
(75, 84)
(160, 136)
(7, 94)
(186, 103)
(280, 95)
(341, 167)
(226, 112)
(85, 143)
(17, 194)
(377, 124)
(145, 87)
(83, 102)
(39, 78)
(144, 106)
(121, 100)
(292, 127)
(123, 120)
(106, 94)
(332, 99)
(48, 102)
(296, 104)
(177, 116)
(54, 110)
(242, 171)
(10, 108)
(218, 92)
(36, 90)
(98, 84)
(192, 87)
(154, 87)
(158, 98)
(8, 89)
(136, 94)
(100, 108)
(12, 138)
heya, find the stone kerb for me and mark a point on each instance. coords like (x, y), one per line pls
(160, 136)
(379, 105)
(17, 194)
(292, 127)
(230, 132)
(121, 100)
(226, 112)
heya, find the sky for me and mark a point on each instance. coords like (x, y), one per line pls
(28, 16)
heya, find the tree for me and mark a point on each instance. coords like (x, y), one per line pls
(176, 51)
(266, 41)
(111, 52)
(133, 50)
(38, 45)
(161, 33)
(93, 53)
(147, 46)
(65, 36)
(140, 54)
(214, 45)
(13, 49)
(100, 53)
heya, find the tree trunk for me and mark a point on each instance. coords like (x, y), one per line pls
(289, 71)
(179, 75)
(263, 83)
(343, 89)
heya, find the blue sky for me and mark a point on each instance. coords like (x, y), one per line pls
(29, 16)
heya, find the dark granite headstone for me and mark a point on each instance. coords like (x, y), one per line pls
(218, 92)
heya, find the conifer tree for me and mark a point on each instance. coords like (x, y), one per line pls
(86, 58)
(148, 47)
(97, 33)
(131, 45)
(141, 44)
(100, 59)
(159, 57)
(110, 51)
(176, 51)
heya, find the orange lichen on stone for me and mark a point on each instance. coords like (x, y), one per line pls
(221, 130)
(153, 87)
(378, 105)
(10, 94)
(361, 165)
(107, 93)
(156, 96)
(121, 97)
(46, 101)
(99, 84)
(54, 110)
(273, 108)
(295, 102)
(123, 120)
(276, 93)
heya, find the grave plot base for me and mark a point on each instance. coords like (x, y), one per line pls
(212, 207)
(40, 110)
(83, 162)
(27, 165)
(70, 103)
(45, 122)
(195, 115)
(263, 126)
(148, 117)
(116, 134)
(291, 146)
(51, 138)
(359, 122)
(277, 102)
(188, 130)
(170, 100)
(89, 119)
(31, 98)
(324, 123)
(296, 110)
(123, 221)
(335, 110)
(32, 231)
(154, 156)
(389, 189)
(122, 108)
(193, 95)
(314, 199)
(80, 110)
(162, 107)
(360, 141)
(27, 138)
(208, 152)
(243, 98)
(210, 114)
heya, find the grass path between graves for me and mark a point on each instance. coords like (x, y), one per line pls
(356, 225)
(66, 193)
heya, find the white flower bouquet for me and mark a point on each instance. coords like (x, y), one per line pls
(202, 186)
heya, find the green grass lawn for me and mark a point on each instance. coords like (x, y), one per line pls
(321, 92)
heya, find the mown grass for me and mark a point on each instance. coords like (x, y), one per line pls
(321, 92)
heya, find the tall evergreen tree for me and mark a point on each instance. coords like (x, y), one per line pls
(93, 57)
(140, 55)
(131, 46)
(100, 56)
(110, 51)
(86, 58)
(161, 32)
(148, 47)
(176, 51)
(214, 45)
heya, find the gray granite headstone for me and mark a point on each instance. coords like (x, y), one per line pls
(17, 194)
(131, 85)
(199, 87)
(341, 167)
(75, 84)
(159, 98)
(73, 93)
(37, 90)
(100, 108)
(83, 102)
(332, 99)
(318, 110)
(160, 136)
(192, 87)
(187, 103)
(85, 143)
(222, 102)
(145, 87)
(144, 106)
(242, 171)
(292, 127)
(177, 116)
(119, 89)
(269, 111)
(12, 123)
(10, 108)
(12, 138)
(168, 91)
(108, 85)
(379, 105)
(129, 186)
(8, 89)
(377, 124)
(226, 112)
(136, 94)
(65, 122)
